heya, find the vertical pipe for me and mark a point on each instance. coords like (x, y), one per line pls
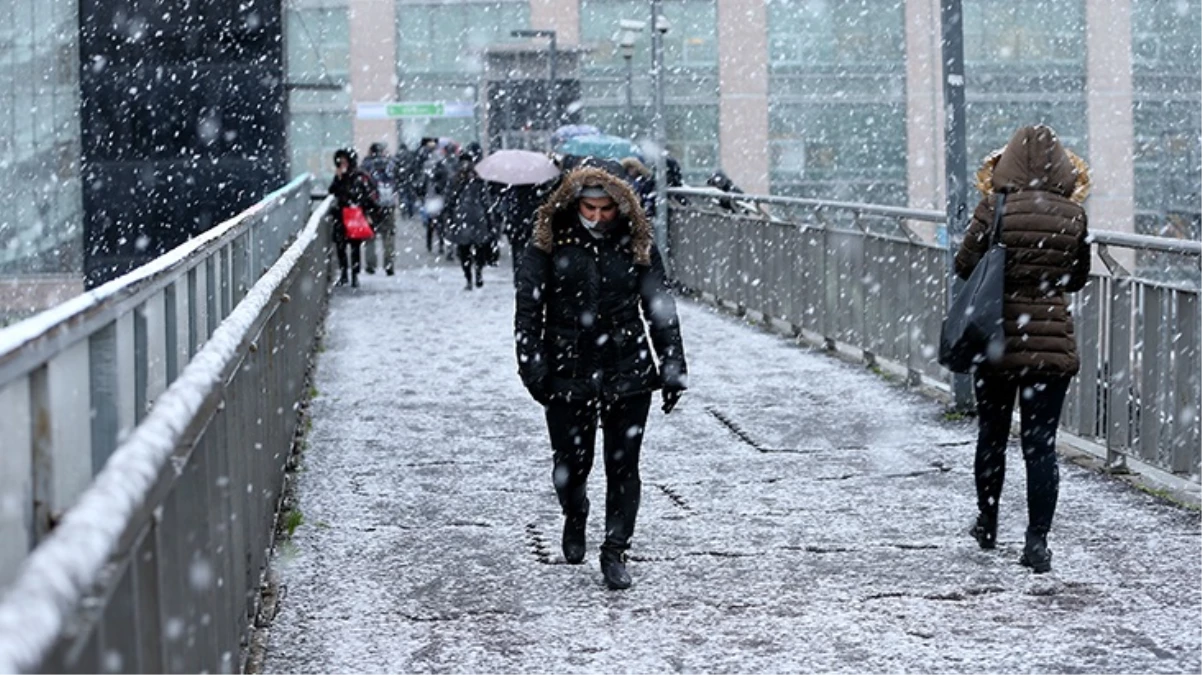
(661, 137)
(955, 149)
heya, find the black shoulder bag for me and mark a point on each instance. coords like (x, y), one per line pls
(972, 332)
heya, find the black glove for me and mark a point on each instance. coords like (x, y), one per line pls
(671, 397)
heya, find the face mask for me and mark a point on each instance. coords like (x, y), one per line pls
(588, 224)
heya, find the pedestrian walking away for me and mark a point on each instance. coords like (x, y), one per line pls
(350, 187)
(590, 285)
(1044, 231)
(384, 171)
(468, 218)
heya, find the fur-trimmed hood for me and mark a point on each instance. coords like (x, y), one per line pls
(564, 200)
(1034, 158)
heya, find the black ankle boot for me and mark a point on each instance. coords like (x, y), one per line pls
(985, 530)
(613, 568)
(573, 537)
(1036, 554)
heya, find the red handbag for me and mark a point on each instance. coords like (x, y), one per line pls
(358, 228)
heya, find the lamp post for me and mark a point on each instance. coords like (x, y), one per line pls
(659, 26)
(553, 89)
(626, 41)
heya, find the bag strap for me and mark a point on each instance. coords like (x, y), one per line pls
(996, 236)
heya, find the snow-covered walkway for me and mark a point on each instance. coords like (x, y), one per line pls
(799, 514)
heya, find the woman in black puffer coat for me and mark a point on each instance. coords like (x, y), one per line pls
(588, 280)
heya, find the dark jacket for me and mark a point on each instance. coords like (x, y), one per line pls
(516, 206)
(581, 302)
(384, 172)
(467, 218)
(354, 188)
(1047, 254)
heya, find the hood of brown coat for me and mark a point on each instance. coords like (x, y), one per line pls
(565, 197)
(1034, 159)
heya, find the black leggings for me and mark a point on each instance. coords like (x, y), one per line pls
(573, 430)
(1041, 398)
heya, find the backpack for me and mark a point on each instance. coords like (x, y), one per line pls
(383, 171)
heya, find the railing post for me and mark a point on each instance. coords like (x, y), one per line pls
(1118, 414)
(16, 479)
(956, 161)
(1185, 406)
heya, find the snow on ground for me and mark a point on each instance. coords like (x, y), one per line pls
(828, 534)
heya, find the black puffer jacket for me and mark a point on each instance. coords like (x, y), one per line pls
(582, 301)
(467, 217)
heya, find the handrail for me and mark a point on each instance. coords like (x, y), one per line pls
(1140, 242)
(27, 343)
(71, 561)
(859, 288)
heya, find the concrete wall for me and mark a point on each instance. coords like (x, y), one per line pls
(743, 93)
(1109, 100)
(373, 67)
(924, 109)
(561, 16)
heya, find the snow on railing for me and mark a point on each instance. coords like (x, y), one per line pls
(69, 564)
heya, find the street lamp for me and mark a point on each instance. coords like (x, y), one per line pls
(660, 27)
(630, 31)
(554, 83)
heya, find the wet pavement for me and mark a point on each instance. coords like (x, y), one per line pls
(799, 514)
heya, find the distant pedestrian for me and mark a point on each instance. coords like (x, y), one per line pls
(591, 284)
(516, 206)
(382, 168)
(643, 182)
(432, 191)
(467, 218)
(350, 187)
(1047, 255)
(409, 171)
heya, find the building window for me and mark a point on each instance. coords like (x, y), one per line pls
(837, 126)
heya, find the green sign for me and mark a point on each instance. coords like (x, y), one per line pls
(415, 109)
(389, 110)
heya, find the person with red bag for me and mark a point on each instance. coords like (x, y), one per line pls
(358, 203)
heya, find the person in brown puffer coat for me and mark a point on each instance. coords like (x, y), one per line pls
(1047, 255)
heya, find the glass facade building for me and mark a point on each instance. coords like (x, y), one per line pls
(41, 222)
(690, 77)
(317, 58)
(837, 108)
(1166, 46)
(440, 56)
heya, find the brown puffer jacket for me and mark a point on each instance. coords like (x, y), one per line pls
(1047, 255)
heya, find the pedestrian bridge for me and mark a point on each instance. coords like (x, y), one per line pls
(219, 462)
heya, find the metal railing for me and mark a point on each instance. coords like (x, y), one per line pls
(859, 275)
(152, 524)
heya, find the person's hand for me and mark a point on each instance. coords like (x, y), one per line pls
(671, 396)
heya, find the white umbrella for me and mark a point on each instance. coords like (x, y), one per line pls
(517, 167)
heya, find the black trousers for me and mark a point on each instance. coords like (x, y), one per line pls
(573, 430)
(341, 244)
(472, 255)
(1040, 399)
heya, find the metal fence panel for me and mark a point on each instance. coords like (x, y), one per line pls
(871, 289)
